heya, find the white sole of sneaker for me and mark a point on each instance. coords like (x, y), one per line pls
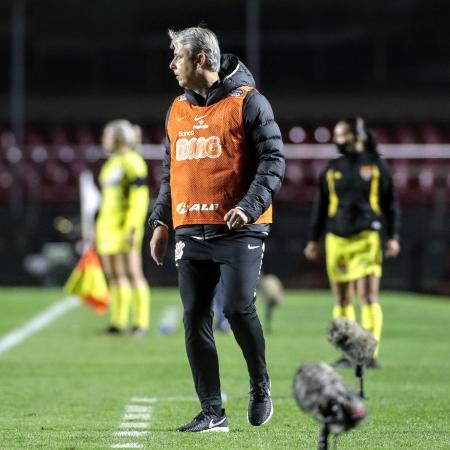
(216, 430)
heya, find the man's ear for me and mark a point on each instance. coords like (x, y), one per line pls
(201, 60)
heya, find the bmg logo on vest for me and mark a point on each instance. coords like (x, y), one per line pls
(198, 148)
(184, 208)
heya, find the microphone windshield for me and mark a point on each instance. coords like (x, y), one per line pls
(319, 391)
(356, 343)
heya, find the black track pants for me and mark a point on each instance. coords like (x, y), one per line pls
(236, 259)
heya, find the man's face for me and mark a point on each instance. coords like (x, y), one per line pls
(183, 66)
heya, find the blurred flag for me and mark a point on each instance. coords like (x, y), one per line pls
(88, 282)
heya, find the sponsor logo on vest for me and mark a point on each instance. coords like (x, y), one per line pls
(200, 125)
(183, 207)
(199, 122)
(186, 133)
(198, 148)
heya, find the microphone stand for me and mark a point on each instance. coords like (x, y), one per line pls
(269, 313)
(323, 437)
(359, 372)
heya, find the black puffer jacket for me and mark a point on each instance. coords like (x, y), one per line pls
(263, 137)
(352, 190)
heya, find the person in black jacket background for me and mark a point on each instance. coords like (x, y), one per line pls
(222, 166)
(355, 198)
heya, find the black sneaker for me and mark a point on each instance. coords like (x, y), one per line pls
(373, 364)
(206, 422)
(260, 407)
(342, 363)
(112, 329)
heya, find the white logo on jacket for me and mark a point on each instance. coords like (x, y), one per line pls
(236, 93)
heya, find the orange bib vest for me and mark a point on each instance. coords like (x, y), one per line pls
(211, 166)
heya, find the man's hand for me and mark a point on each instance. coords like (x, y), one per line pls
(158, 244)
(235, 218)
(312, 250)
(392, 248)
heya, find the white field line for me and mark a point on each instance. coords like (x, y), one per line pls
(136, 417)
(39, 322)
(130, 433)
(138, 409)
(128, 445)
(143, 399)
(180, 398)
(131, 425)
(135, 422)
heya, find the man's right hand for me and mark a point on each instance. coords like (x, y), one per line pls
(158, 244)
(312, 250)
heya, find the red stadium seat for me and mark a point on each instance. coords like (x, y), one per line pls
(406, 135)
(7, 139)
(431, 134)
(35, 137)
(57, 184)
(54, 156)
(6, 183)
(153, 135)
(84, 136)
(58, 136)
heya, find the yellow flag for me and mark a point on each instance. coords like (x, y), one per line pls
(88, 282)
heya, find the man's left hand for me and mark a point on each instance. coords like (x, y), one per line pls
(236, 218)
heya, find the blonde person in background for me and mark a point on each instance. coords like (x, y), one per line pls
(120, 226)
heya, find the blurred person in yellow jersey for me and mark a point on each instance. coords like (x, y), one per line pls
(120, 226)
(356, 200)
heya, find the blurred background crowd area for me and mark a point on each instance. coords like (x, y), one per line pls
(71, 68)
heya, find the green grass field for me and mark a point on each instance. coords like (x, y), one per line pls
(69, 386)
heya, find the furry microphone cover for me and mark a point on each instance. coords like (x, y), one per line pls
(356, 343)
(320, 391)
